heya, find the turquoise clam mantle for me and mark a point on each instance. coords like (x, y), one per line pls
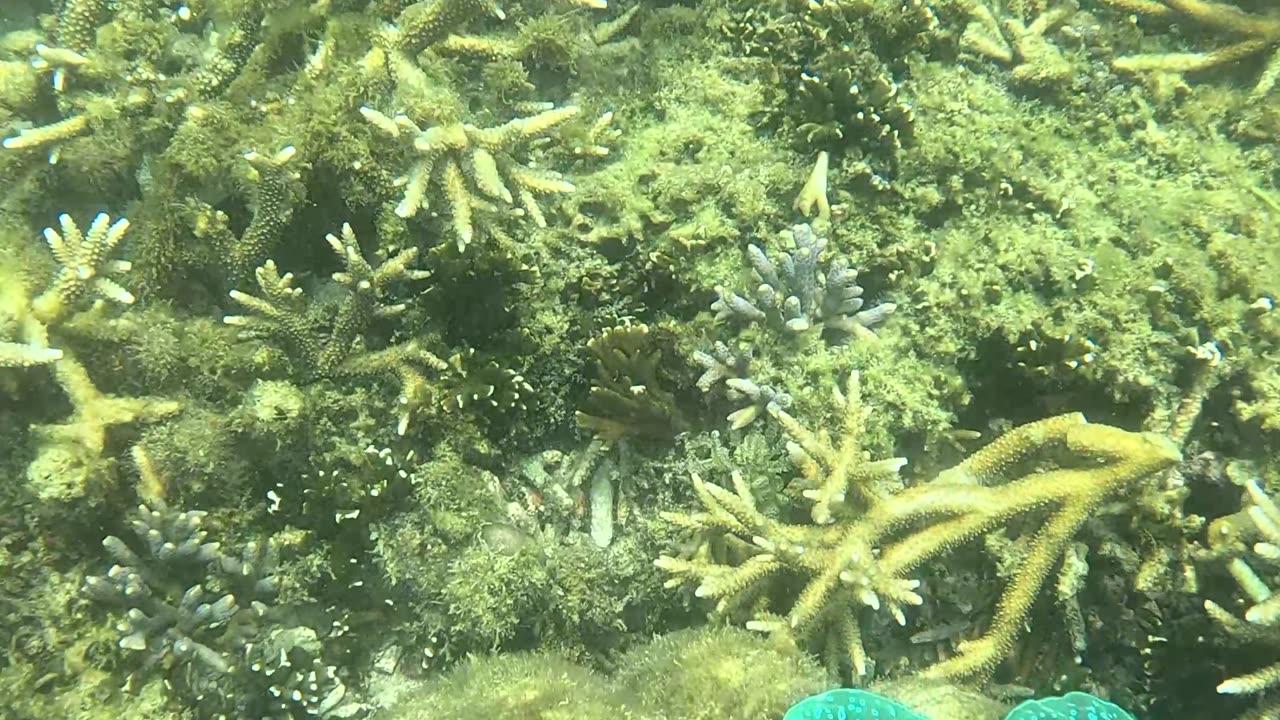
(848, 704)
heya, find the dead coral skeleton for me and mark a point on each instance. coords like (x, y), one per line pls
(1255, 34)
(1006, 38)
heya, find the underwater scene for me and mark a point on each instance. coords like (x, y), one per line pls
(639, 359)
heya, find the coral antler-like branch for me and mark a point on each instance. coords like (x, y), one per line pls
(869, 537)
(281, 311)
(85, 269)
(1241, 540)
(1255, 35)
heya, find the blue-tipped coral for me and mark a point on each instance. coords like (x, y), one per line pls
(845, 704)
(1072, 706)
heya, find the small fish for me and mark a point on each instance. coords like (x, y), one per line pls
(941, 632)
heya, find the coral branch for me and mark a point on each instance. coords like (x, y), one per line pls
(869, 536)
(475, 167)
(85, 268)
(1257, 34)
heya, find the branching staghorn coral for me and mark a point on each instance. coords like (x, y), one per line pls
(109, 62)
(282, 311)
(544, 42)
(272, 209)
(474, 167)
(1247, 541)
(794, 296)
(843, 64)
(724, 365)
(72, 452)
(800, 297)
(205, 617)
(1256, 34)
(869, 535)
(423, 24)
(1023, 45)
(85, 270)
(51, 134)
(326, 348)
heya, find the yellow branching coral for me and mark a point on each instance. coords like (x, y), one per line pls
(530, 45)
(870, 535)
(1254, 35)
(475, 168)
(73, 453)
(834, 471)
(71, 456)
(1006, 38)
(14, 354)
(273, 179)
(85, 270)
(423, 24)
(50, 134)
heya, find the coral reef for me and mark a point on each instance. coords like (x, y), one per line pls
(474, 166)
(842, 66)
(628, 397)
(85, 272)
(553, 289)
(804, 298)
(1252, 534)
(73, 453)
(1023, 45)
(794, 296)
(281, 313)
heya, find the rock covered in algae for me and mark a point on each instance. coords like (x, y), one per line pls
(536, 686)
(718, 673)
(711, 673)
